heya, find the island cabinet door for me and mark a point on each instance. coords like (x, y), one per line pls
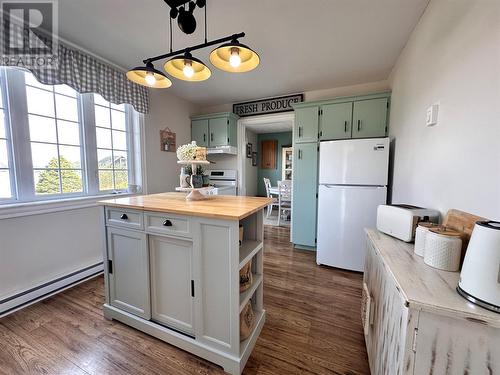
(128, 271)
(172, 283)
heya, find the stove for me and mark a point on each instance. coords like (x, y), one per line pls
(224, 181)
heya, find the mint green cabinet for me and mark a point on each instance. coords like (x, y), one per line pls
(370, 118)
(306, 124)
(199, 132)
(218, 129)
(335, 121)
(305, 184)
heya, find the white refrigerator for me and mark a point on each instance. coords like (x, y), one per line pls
(352, 183)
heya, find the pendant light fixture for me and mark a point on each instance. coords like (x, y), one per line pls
(148, 76)
(233, 57)
(187, 68)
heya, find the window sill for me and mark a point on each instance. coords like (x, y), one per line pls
(8, 211)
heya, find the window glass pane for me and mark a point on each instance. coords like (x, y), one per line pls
(120, 160)
(102, 116)
(4, 157)
(1, 97)
(121, 180)
(69, 157)
(103, 137)
(119, 140)
(5, 191)
(67, 108)
(105, 180)
(66, 90)
(118, 120)
(98, 99)
(119, 107)
(30, 79)
(40, 102)
(68, 132)
(42, 129)
(104, 159)
(44, 155)
(71, 181)
(47, 182)
(2, 124)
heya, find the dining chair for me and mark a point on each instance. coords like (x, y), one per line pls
(275, 202)
(284, 198)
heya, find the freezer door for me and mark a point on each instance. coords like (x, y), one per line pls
(354, 162)
(343, 213)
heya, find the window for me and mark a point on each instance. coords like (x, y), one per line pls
(66, 144)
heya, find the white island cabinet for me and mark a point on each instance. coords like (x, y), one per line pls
(172, 271)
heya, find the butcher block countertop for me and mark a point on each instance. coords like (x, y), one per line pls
(424, 287)
(217, 206)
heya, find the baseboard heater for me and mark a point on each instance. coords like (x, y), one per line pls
(15, 302)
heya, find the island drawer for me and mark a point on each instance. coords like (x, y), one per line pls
(124, 218)
(163, 223)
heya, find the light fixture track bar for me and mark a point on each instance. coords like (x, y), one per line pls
(196, 47)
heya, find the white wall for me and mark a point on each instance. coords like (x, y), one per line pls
(167, 110)
(251, 172)
(452, 57)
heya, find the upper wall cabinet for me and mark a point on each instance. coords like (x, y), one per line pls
(342, 118)
(218, 129)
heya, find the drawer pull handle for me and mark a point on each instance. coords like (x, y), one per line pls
(167, 223)
(124, 217)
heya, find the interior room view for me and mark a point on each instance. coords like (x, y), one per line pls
(250, 187)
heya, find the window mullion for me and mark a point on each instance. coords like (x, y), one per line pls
(90, 143)
(18, 108)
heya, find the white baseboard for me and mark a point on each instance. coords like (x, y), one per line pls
(20, 300)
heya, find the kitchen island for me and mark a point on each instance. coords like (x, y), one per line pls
(172, 270)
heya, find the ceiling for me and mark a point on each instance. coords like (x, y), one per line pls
(270, 127)
(303, 45)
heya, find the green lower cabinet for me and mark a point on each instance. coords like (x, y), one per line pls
(199, 132)
(306, 124)
(370, 118)
(335, 121)
(305, 185)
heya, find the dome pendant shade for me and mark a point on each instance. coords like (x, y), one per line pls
(234, 57)
(187, 68)
(148, 76)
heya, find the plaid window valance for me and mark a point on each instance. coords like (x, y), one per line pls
(84, 73)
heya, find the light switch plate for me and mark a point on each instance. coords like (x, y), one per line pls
(431, 117)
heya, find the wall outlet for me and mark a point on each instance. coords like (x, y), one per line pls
(431, 117)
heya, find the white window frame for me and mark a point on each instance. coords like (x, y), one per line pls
(8, 135)
(21, 164)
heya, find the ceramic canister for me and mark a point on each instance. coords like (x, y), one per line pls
(443, 249)
(420, 234)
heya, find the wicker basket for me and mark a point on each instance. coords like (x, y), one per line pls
(246, 277)
(247, 321)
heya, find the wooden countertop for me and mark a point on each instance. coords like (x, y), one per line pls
(217, 206)
(425, 287)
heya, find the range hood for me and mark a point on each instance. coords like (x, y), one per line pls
(228, 150)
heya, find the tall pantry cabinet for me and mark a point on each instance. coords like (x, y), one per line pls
(342, 118)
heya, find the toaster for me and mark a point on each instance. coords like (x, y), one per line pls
(401, 220)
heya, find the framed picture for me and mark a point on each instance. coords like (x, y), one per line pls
(249, 150)
(254, 159)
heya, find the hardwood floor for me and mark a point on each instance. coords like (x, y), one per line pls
(313, 327)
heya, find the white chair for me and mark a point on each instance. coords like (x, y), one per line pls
(284, 198)
(267, 183)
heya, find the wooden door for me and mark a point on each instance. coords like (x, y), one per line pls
(172, 283)
(269, 151)
(305, 185)
(336, 121)
(370, 118)
(219, 135)
(199, 132)
(128, 267)
(306, 125)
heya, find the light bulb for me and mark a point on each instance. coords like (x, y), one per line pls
(235, 59)
(188, 69)
(150, 79)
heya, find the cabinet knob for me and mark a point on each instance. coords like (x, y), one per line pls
(124, 217)
(167, 223)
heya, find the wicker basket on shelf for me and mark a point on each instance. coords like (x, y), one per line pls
(247, 321)
(246, 278)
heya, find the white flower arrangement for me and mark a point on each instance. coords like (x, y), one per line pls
(187, 152)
